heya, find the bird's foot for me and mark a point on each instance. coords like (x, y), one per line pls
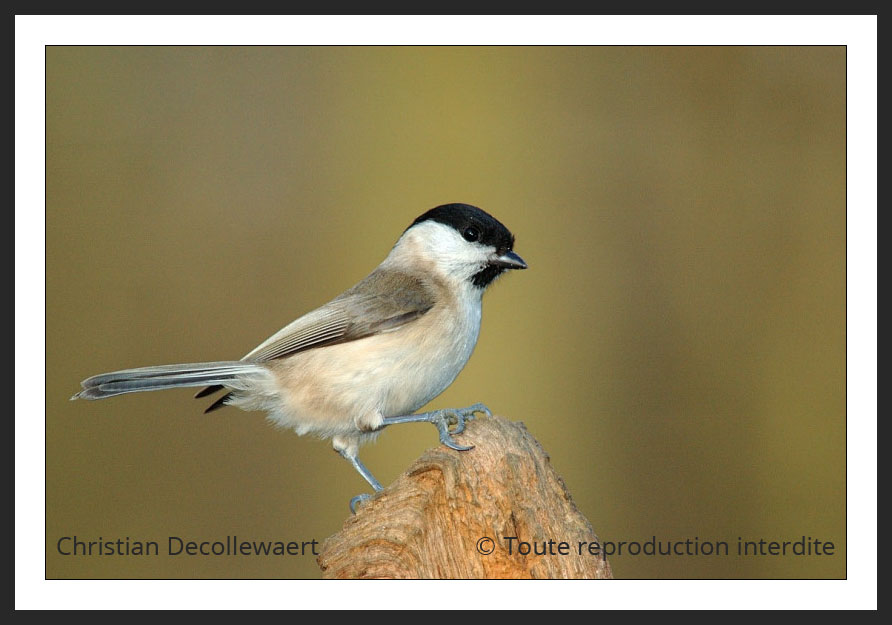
(359, 499)
(448, 421)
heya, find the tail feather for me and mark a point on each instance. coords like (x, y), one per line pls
(219, 403)
(167, 376)
(208, 391)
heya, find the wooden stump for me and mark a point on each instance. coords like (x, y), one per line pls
(439, 518)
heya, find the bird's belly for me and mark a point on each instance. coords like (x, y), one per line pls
(338, 388)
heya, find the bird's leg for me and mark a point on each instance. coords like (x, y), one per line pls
(443, 419)
(353, 458)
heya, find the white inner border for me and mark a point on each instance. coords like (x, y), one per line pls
(32, 33)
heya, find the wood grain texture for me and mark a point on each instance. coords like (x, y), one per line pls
(427, 524)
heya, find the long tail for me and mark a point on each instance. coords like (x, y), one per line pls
(161, 377)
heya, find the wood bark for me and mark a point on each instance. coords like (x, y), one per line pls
(440, 517)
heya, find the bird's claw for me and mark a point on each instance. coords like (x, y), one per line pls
(359, 499)
(446, 437)
(457, 418)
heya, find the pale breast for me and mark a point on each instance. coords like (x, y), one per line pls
(394, 373)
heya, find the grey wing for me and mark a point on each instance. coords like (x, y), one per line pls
(382, 302)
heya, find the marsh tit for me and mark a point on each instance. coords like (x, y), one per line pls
(373, 355)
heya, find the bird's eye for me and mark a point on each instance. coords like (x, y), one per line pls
(471, 234)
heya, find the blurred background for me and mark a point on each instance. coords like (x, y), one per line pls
(677, 345)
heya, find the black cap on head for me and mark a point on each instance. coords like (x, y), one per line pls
(473, 224)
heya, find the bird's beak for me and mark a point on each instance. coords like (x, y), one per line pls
(508, 260)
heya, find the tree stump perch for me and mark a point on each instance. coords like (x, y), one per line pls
(439, 519)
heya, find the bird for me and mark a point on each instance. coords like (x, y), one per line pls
(372, 356)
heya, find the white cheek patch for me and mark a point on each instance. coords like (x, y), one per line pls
(450, 252)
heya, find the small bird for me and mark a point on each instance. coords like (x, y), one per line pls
(373, 355)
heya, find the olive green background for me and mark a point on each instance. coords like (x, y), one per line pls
(677, 344)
